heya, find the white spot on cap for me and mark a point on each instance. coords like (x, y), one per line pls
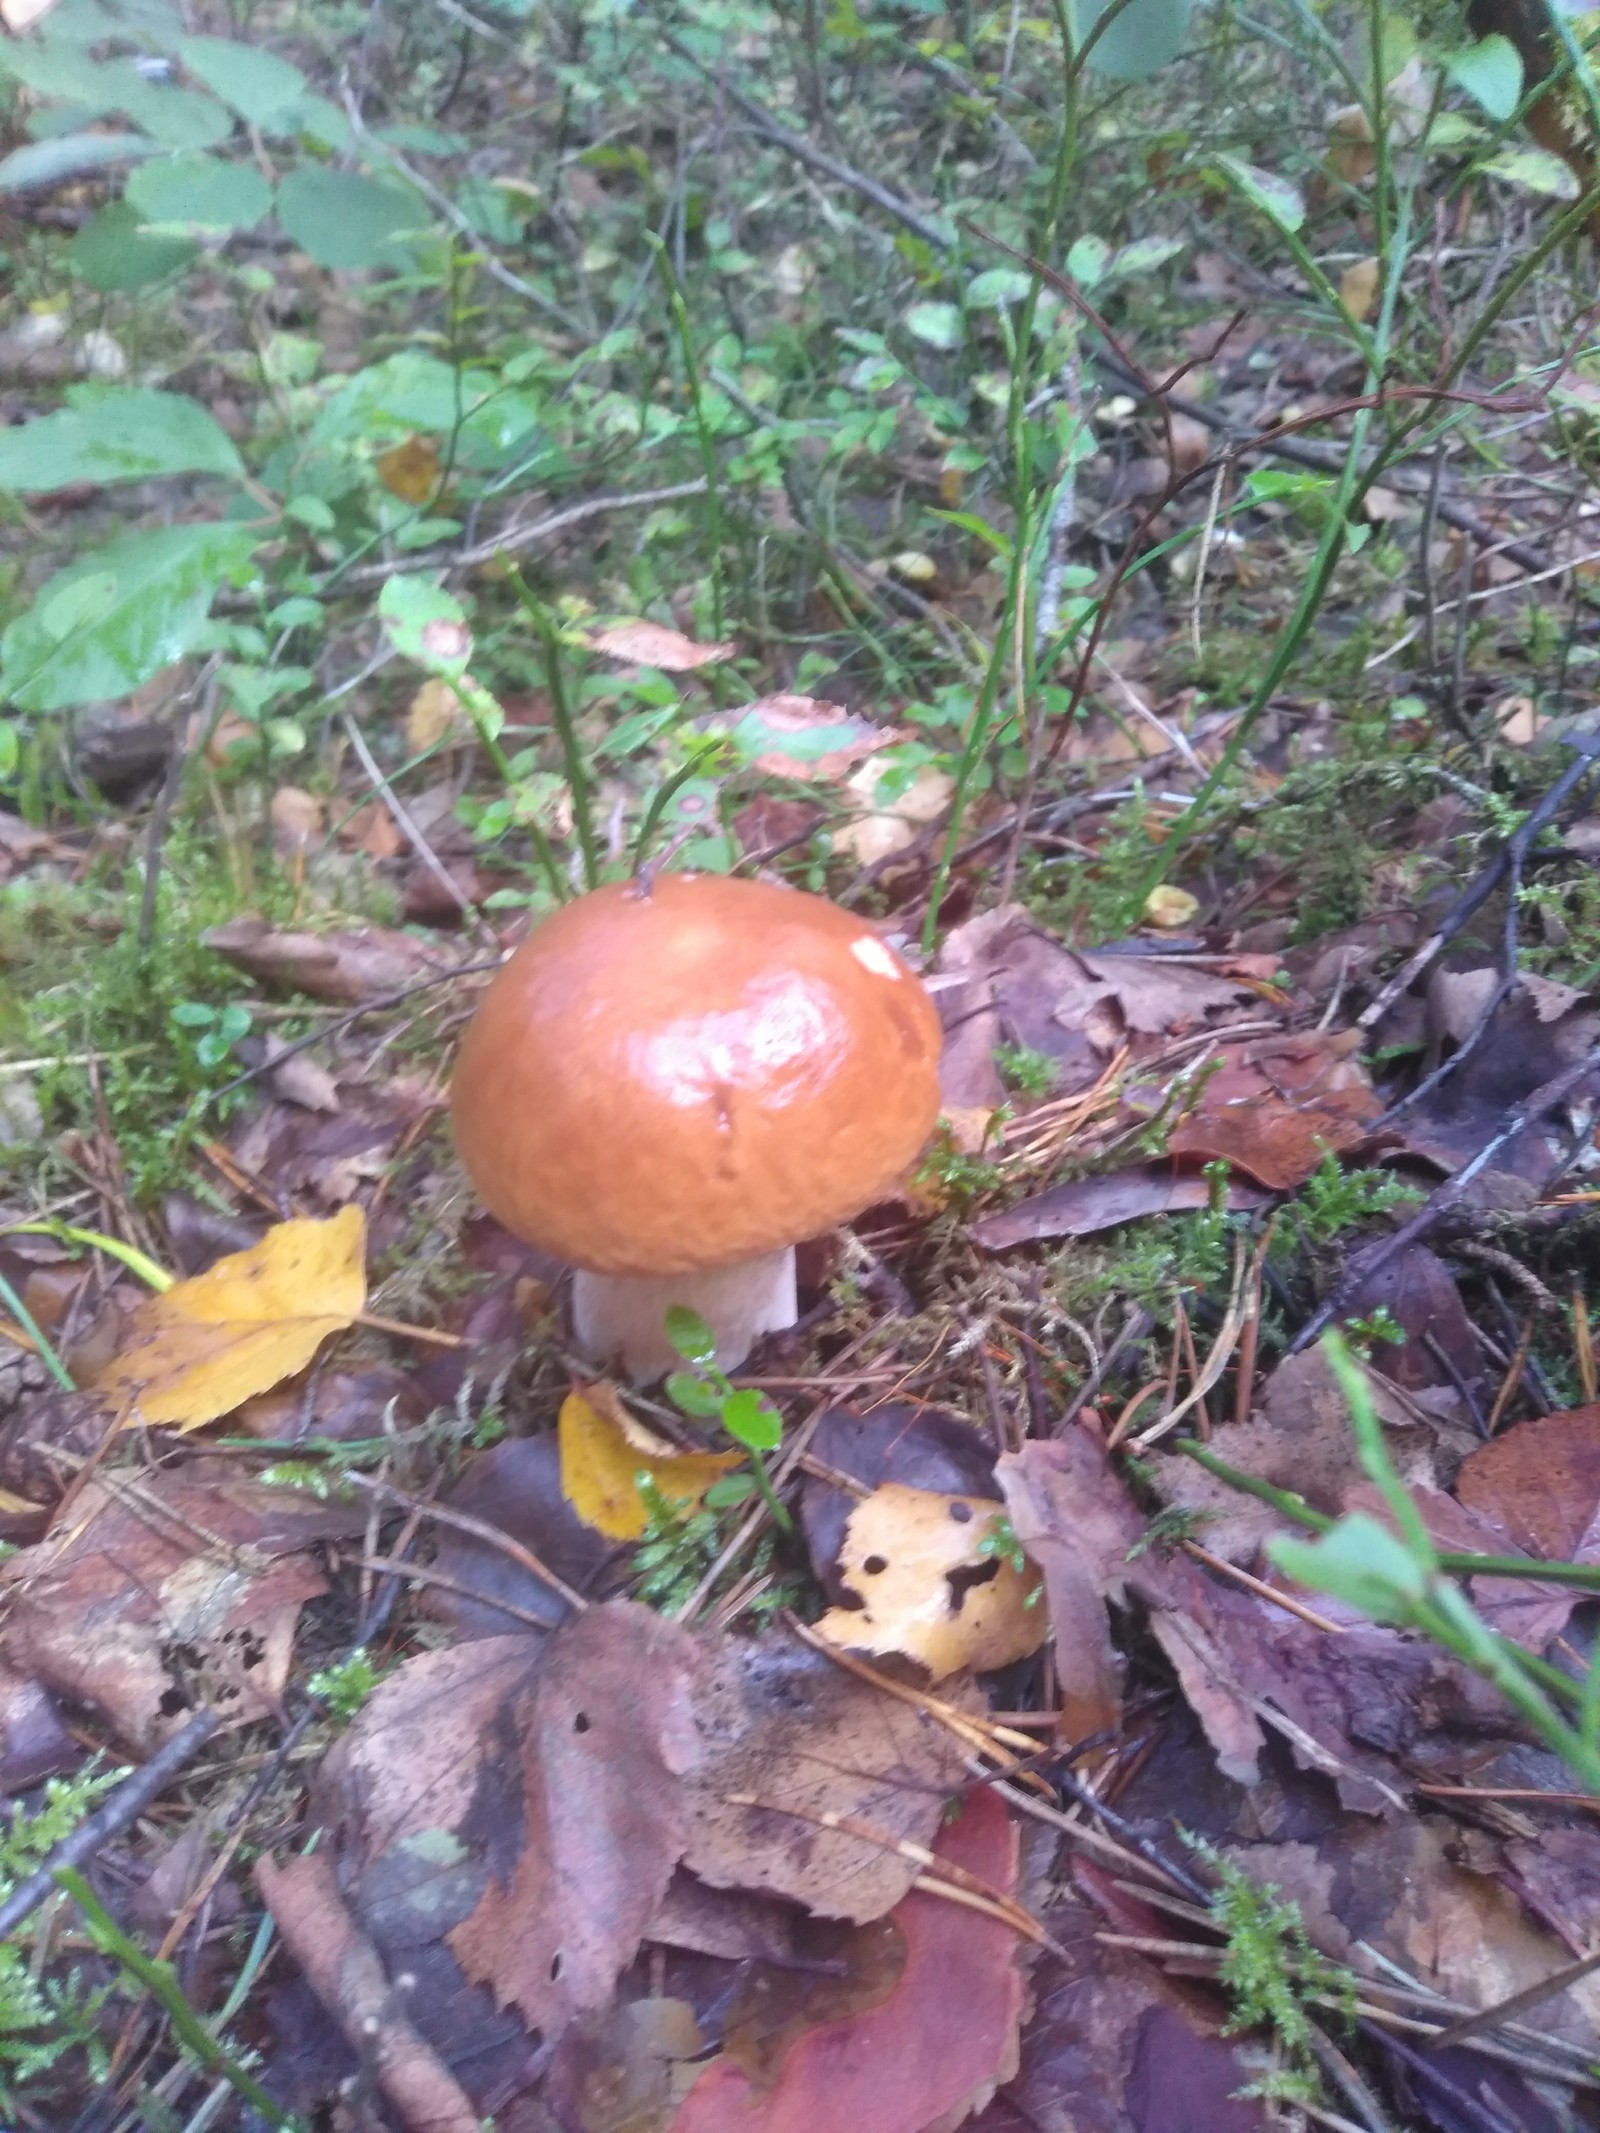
(872, 955)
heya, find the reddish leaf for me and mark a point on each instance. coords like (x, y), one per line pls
(1541, 1480)
(940, 2041)
(1275, 1108)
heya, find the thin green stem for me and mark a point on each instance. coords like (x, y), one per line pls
(566, 730)
(30, 1325)
(708, 457)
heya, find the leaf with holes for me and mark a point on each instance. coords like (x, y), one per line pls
(935, 1584)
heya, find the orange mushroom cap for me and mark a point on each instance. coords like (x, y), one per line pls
(690, 1075)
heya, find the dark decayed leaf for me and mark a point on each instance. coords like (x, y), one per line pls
(34, 1744)
(515, 1487)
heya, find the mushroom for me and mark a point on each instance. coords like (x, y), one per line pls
(672, 1083)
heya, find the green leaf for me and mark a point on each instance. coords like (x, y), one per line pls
(1144, 256)
(1533, 169)
(10, 749)
(1491, 73)
(194, 1014)
(1357, 1561)
(1264, 189)
(692, 1395)
(113, 251)
(1144, 37)
(999, 286)
(177, 118)
(341, 219)
(1088, 260)
(162, 583)
(728, 1493)
(258, 84)
(936, 325)
(202, 191)
(70, 155)
(751, 1420)
(690, 1335)
(427, 624)
(115, 433)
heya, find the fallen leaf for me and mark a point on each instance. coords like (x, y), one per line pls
(298, 1079)
(1541, 1480)
(881, 831)
(807, 738)
(201, 1347)
(34, 1744)
(345, 968)
(1087, 1205)
(934, 2049)
(650, 644)
(927, 1590)
(1277, 1106)
(432, 713)
(605, 1453)
(923, 1447)
(373, 830)
(410, 470)
(169, 1591)
(1358, 289)
(1518, 720)
(1170, 908)
(297, 819)
(515, 1489)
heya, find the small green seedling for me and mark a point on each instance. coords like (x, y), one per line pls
(1029, 1072)
(345, 1686)
(704, 1391)
(1378, 1327)
(212, 1032)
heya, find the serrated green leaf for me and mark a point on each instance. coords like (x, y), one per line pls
(341, 219)
(165, 581)
(257, 83)
(70, 155)
(1491, 73)
(692, 1395)
(115, 251)
(115, 433)
(200, 191)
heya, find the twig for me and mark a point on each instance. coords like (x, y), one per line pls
(1530, 1996)
(515, 538)
(480, 1529)
(185, 741)
(109, 1819)
(1367, 1266)
(407, 827)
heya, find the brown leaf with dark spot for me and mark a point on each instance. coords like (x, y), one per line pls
(169, 1591)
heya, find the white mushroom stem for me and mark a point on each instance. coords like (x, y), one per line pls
(620, 1319)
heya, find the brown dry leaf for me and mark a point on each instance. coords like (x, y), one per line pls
(297, 820)
(433, 712)
(807, 738)
(1191, 442)
(605, 1453)
(788, 1726)
(1541, 1480)
(373, 830)
(1519, 721)
(410, 470)
(1087, 1205)
(170, 1591)
(344, 968)
(931, 2051)
(928, 1590)
(1358, 289)
(651, 644)
(199, 1349)
(1278, 1106)
(881, 831)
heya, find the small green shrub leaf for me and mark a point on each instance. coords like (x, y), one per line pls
(1534, 170)
(114, 251)
(201, 191)
(936, 325)
(341, 219)
(1357, 1561)
(258, 84)
(1145, 36)
(1087, 261)
(70, 155)
(115, 433)
(1264, 189)
(1491, 73)
(152, 612)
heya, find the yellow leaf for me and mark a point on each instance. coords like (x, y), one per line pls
(203, 1346)
(603, 1453)
(1170, 907)
(1358, 288)
(915, 1558)
(410, 470)
(433, 712)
